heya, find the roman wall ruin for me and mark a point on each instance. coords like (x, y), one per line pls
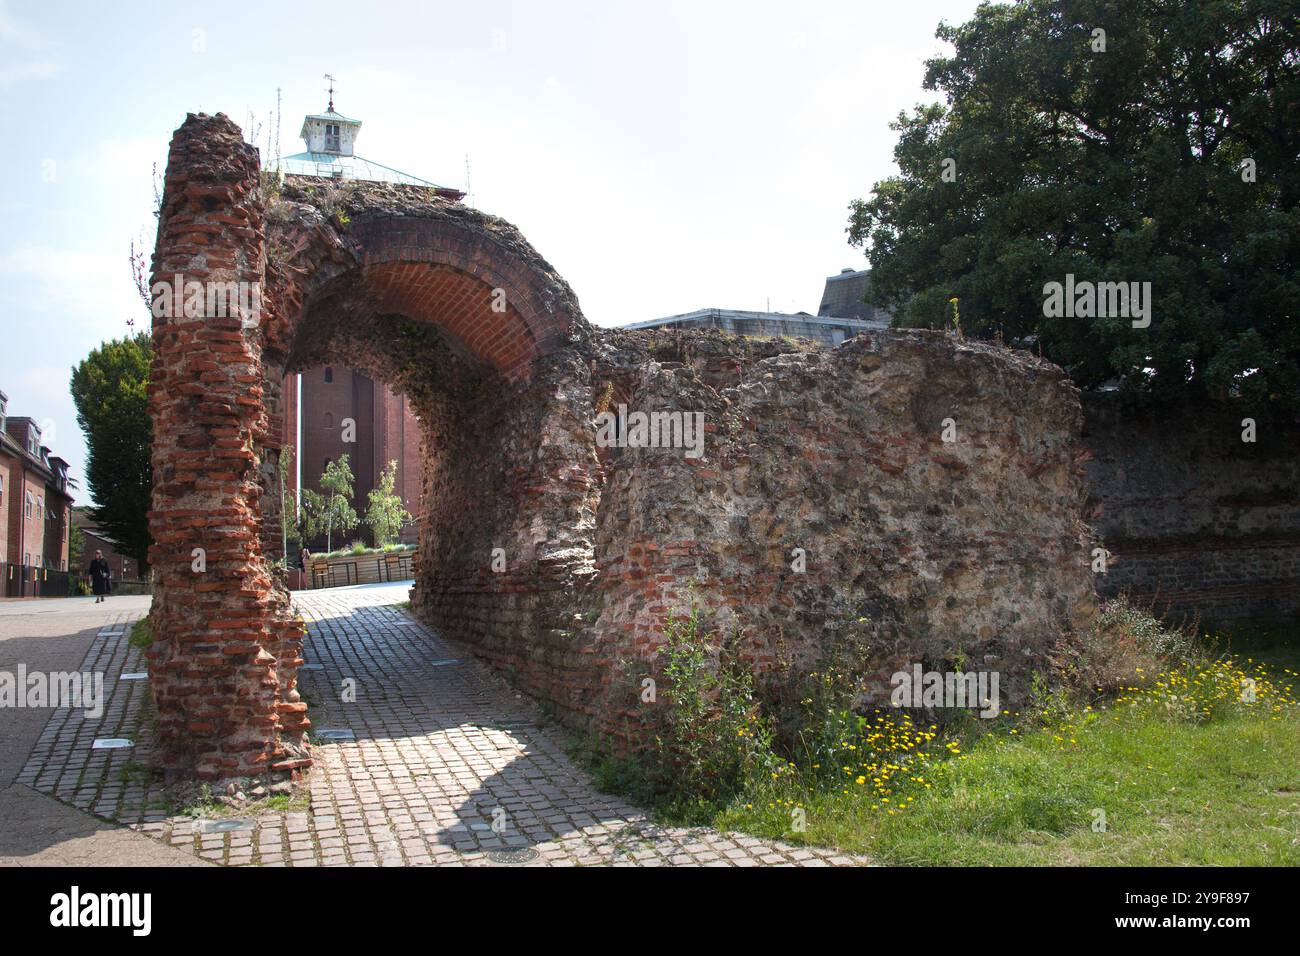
(919, 489)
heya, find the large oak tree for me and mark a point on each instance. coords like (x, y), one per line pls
(1163, 151)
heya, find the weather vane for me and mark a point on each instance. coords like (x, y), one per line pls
(331, 79)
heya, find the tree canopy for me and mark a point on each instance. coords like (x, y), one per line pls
(110, 390)
(331, 511)
(385, 512)
(1162, 149)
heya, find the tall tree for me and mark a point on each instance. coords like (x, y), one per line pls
(109, 388)
(385, 512)
(1143, 141)
(331, 511)
(288, 509)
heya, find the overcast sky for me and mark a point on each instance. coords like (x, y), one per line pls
(663, 156)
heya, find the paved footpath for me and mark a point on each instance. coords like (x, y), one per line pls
(36, 829)
(423, 757)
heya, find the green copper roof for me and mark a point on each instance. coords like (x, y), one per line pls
(336, 166)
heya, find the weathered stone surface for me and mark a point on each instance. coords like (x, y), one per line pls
(972, 550)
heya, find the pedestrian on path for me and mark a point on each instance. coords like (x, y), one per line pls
(99, 576)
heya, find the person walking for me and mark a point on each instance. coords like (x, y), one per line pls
(99, 575)
(304, 561)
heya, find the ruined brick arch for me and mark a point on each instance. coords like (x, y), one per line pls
(972, 550)
(378, 249)
(454, 309)
(445, 303)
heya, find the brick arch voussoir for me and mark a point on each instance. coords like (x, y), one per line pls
(541, 312)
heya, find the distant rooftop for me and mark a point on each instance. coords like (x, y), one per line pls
(825, 329)
(841, 316)
(329, 116)
(843, 297)
(717, 318)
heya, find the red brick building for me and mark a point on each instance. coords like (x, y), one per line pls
(35, 506)
(120, 567)
(340, 404)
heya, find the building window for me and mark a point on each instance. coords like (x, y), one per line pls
(329, 374)
(28, 502)
(331, 138)
(40, 513)
(329, 420)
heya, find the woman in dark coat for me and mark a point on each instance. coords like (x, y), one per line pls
(99, 576)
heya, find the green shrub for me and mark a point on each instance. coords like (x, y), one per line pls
(714, 738)
(1124, 643)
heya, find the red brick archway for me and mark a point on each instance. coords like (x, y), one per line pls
(494, 300)
(371, 249)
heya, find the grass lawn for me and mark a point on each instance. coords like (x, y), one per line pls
(1179, 772)
(1224, 793)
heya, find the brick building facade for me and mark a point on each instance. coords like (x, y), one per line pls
(35, 504)
(120, 567)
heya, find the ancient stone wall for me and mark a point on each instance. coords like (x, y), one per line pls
(1199, 521)
(921, 489)
(506, 555)
(828, 501)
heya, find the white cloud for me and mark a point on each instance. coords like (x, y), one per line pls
(43, 70)
(89, 288)
(16, 37)
(128, 159)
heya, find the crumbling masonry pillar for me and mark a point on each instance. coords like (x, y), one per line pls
(223, 665)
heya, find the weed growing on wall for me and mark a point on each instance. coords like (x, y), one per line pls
(714, 739)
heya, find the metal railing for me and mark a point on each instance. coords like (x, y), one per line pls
(335, 572)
